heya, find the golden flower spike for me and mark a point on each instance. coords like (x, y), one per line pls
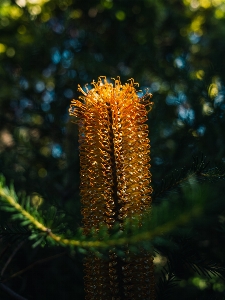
(115, 182)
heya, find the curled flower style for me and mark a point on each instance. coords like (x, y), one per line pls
(115, 181)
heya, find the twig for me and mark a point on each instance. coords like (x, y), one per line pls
(32, 265)
(4, 249)
(11, 257)
(11, 292)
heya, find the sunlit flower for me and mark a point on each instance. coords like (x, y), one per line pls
(115, 181)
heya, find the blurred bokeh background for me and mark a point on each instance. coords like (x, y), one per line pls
(175, 49)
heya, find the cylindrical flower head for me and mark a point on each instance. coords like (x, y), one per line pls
(115, 179)
(114, 152)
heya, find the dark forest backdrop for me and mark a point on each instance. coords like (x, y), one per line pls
(173, 48)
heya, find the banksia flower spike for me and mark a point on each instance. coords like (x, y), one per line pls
(115, 182)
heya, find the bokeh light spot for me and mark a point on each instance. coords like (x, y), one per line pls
(2, 48)
(207, 109)
(219, 14)
(42, 172)
(92, 12)
(35, 10)
(10, 52)
(15, 12)
(56, 150)
(45, 17)
(120, 15)
(213, 90)
(21, 3)
(45, 151)
(205, 3)
(4, 21)
(200, 74)
(108, 4)
(76, 14)
(37, 119)
(22, 29)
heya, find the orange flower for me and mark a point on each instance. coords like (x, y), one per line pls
(115, 181)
